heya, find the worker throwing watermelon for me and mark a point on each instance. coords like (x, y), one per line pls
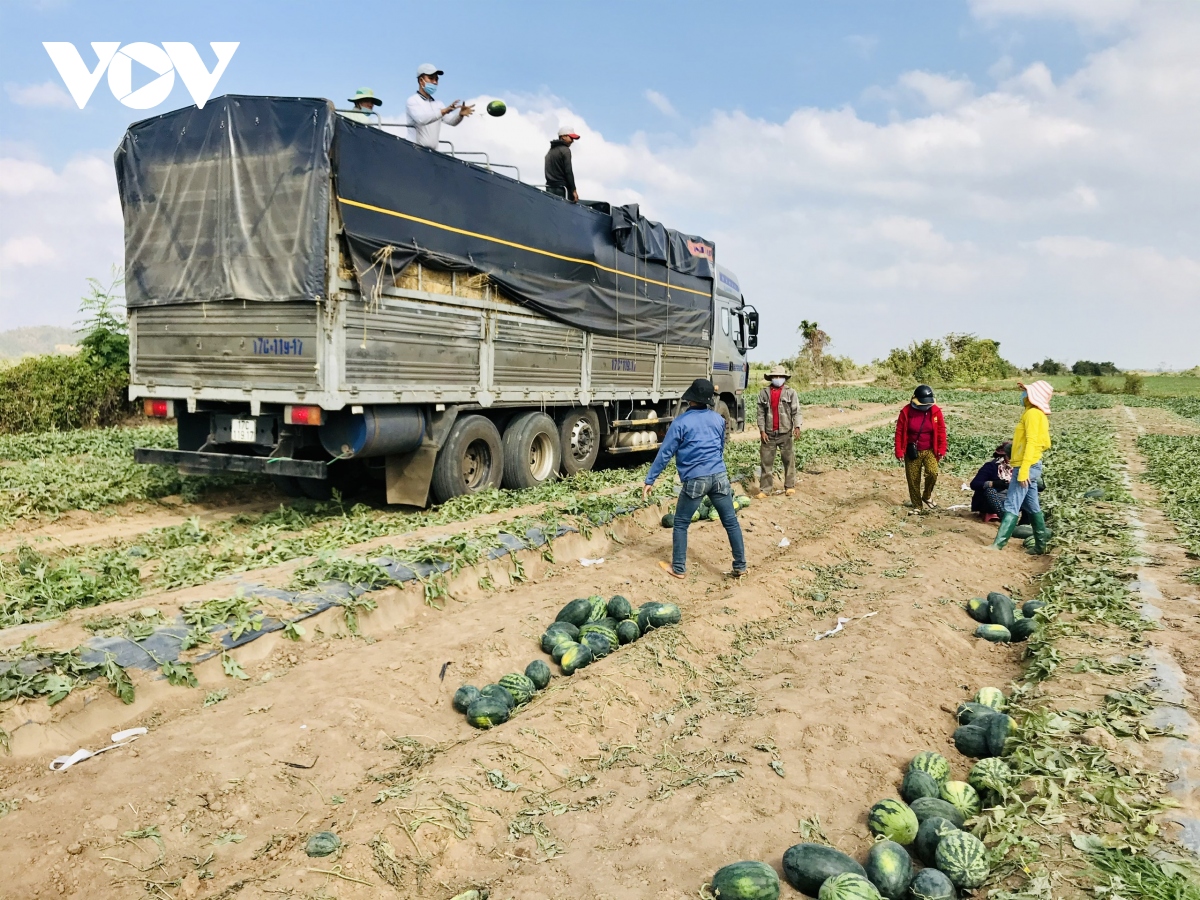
(696, 440)
(425, 115)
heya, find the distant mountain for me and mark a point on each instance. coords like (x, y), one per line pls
(37, 340)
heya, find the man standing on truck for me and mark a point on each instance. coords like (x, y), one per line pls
(560, 174)
(364, 102)
(426, 115)
(779, 422)
(697, 441)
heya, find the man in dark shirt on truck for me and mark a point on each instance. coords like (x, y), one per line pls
(560, 176)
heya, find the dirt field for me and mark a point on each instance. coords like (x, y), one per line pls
(731, 736)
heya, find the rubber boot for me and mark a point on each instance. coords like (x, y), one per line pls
(1007, 524)
(1041, 536)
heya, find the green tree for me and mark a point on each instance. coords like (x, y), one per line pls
(105, 341)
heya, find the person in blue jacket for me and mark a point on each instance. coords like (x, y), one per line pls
(696, 439)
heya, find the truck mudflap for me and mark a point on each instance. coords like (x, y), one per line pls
(193, 462)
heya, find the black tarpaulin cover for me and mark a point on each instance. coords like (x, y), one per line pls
(231, 202)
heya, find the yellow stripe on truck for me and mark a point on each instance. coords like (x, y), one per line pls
(496, 240)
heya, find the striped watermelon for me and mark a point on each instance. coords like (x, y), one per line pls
(928, 807)
(560, 650)
(576, 657)
(576, 612)
(894, 820)
(628, 631)
(847, 886)
(748, 880)
(465, 696)
(807, 866)
(889, 869)
(963, 797)
(930, 884)
(558, 633)
(990, 775)
(918, 784)
(487, 712)
(519, 686)
(600, 628)
(539, 673)
(619, 608)
(929, 835)
(963, 858)
(598, 643)
(496, 692)
(933, 764)
(993, 697)
(599, 608)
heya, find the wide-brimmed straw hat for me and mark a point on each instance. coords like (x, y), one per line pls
(701, 391)
(1039, 394)
(365, 94)
(777, 372)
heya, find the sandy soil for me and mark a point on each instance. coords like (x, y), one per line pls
(637, 777)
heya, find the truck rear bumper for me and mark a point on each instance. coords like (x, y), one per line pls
(214, 463)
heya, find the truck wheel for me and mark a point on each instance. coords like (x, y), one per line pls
(532, 453)
(579, 437)
(471, 460)
(730, 422)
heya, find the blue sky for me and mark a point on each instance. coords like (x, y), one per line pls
(981, 162)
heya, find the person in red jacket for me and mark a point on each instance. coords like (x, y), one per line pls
(921, 443)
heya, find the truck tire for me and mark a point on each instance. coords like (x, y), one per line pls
(532, 453)
(471, 460)
(579, 438)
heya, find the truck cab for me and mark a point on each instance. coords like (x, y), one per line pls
(735, 333)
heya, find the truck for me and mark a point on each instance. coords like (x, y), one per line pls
(327, 303)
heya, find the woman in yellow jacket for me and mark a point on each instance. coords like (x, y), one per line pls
(1030, 440)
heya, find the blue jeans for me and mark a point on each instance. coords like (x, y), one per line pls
(717, 489)
(1024, 496)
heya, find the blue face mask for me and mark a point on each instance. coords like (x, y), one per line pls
(431, 88)
(1024, 395)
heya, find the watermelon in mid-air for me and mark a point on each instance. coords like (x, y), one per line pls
(496, 108)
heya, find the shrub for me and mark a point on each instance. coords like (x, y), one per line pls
(1133, 383)
(961, 358)
(1086, 368)
(44, 393)
(1049, 366)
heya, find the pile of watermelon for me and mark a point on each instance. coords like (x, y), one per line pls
(493, 704)
(707, 511)
(590, 628)
(999, 619)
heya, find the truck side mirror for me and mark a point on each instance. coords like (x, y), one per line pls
(751, 327)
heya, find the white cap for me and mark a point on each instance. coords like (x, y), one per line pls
(568, 131)
(429, 69)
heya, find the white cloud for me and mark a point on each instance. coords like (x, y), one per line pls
(661, 103)
(46, 94)
(1093, 13)
(937, 91)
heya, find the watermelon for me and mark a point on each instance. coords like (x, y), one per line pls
(993, 697)
(1023, 531)
(575, 657)
(977, 609)
(598, 643)
(990, 776)
(807, 866)
(747, 880)
(998, 729)
(496, 108)
(934, 764)
(323, 843)
(932, 830)
(497, 693)
(997, 634)
(971, 740)
(1001, 609)
(487, 712)
(628, 631)
(970, 713)
(930, 884)
(889, 869)
(599, 608)
(657, 615)
(668, 521)
(1023, 629)
(560, 650)
(963, 859)
(894, 820)
(1094, 494)
(464, 697)
(610, 634)
(928, 807)
(963, 797)
(918, 784)
(539, 673)
(619, 608)
(557, 634)
(519, 686)
(1030, 608)
(847, 886)
(576, 612)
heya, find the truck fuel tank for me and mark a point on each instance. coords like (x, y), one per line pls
(376, 431)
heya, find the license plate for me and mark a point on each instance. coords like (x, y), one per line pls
(245, 430)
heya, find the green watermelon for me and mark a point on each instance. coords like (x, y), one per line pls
(894, 820)
(1001, 609)
(847, 886)
(619, 608)
(1023, 531)
(963, 797)
(978, 609)
(464, 697)
(657, 615)
(918, 784)
(497, 108)
(970, 713)
(600, 628)
(1030, 608)
(1023, 629)
(971, 740)
(575, 657)
(599, 608)
(598, 643)
(628, 631)
(889, 868)
(998, 729)
(747, 880)
(990, 776)
(928, 807)
(807, 866)
(993, 697)
(576, 612)
(930, 884)
(668, 521)
(557, 634)
(560, 650)
(519, 686)
(539, 673)
(323, 843)
(997, 634)
(934, 764)
(932, 830)
(498, 693)
(487, 712)
(963, 858)
(1094, 494)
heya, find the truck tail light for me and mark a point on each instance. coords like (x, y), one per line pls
(159, 409)
(302, 415)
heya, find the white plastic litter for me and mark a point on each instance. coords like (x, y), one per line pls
(591, 562)
(966, 487)
(958, 506)
(785, 543)
(842, 623)
(119, 739)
